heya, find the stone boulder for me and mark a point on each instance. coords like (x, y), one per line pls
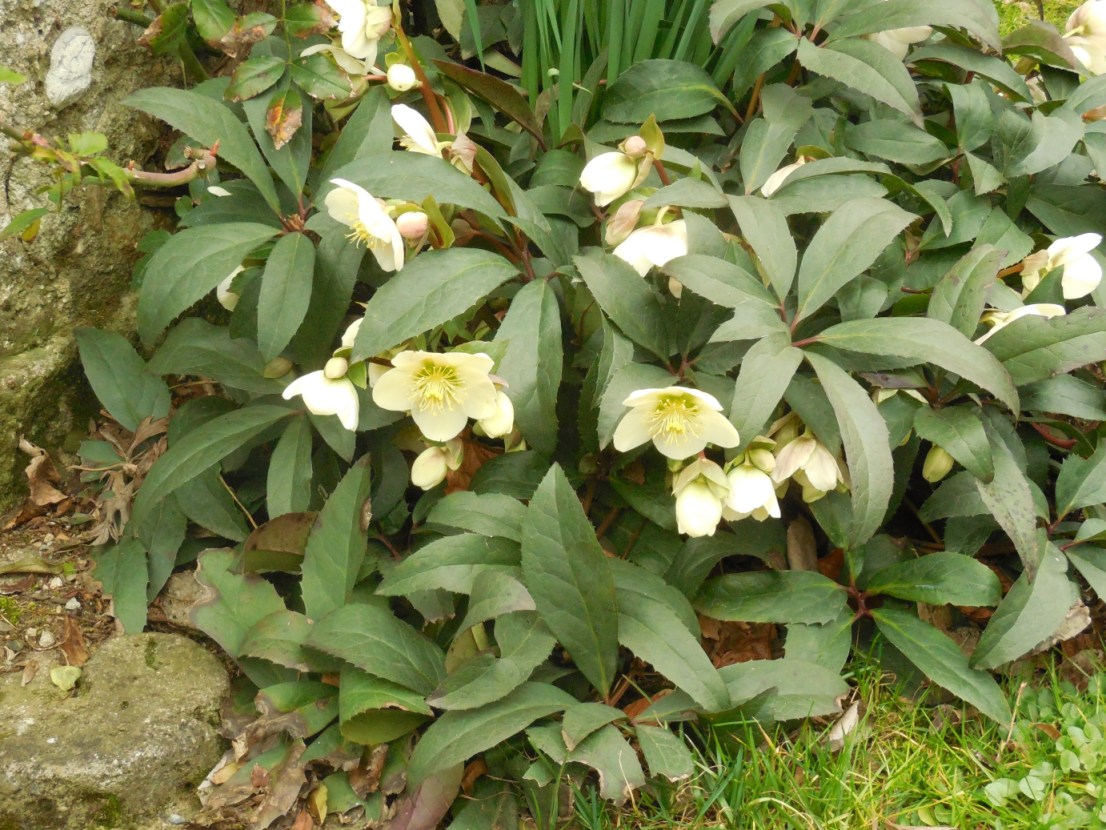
(125, 750)
(80, 63)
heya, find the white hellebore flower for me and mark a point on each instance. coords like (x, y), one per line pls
(346, 62)
(328, 392)
(653, 245)
(434, 463)
(1082, 273)
(609, 176)
(368, 222)
(679, 421)
(898, 41)
(419, 136)
(227, 298)
(752, 493)
(1001, 319)
(811, 464)
(362, 23)
(441, 391)
(503, 421)
(701, 489)
(401, 77)
(1085, 33)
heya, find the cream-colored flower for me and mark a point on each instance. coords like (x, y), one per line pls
(328, 392)
(1001, 319)
(701, 489)
(609, 176)
(654, 245)
(898, 41)
(434, 463)
(1082, 273)
(1089, 19)
(503, 421)
(810, 464)
(413, 225)
(368, 221)
(228, 298)
(441, 391)
(419, 136)
(1085, 34)
(679, 421)
(401, 77)
(362, 23)
(346, 62)
(752, 491)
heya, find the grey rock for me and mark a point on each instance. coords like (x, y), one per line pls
(70, 66)
(124, 751)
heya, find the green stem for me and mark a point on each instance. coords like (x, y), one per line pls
(131, 16)
(192, 64)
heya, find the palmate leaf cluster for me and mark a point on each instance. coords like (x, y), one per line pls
(540, 607)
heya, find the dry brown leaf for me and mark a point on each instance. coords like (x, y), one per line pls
(40, 475)
(473, 772)
(476, 455)
(303, 822)
(73, 644)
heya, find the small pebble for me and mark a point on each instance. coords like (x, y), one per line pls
(55, 583)
(31, 633)
(49, 537)
(176, 818)
(46, 640)
(16, 645)
(74, 604)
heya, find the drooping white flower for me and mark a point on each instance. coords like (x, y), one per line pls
(1089, 19)
(368, 222)
(346, 62)
(503, 421)
(362, 23)
(810, 464)
(752, 493)
(701, 489)
(419, 136)
(898, 41)
(1085, 34)
(609, 176)
(1001, 319)
(1082, 273)
(654, 245)
(228, 298)
(441, 391)
(328, 392)
(679, 421)
(433, 464)
(401, 77)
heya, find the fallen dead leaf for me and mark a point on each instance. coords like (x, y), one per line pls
(303, 822)
(41, 475)
(73, 644)
(843, 727)
(473, 772)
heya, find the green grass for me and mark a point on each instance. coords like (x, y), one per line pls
(1013, 14)
(907, 763)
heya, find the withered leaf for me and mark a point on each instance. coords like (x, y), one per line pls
(40, 473)
(73, 644)
(284, 116)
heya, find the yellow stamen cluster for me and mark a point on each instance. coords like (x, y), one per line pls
(436, 387)
(674, 417)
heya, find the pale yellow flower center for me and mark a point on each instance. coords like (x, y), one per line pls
(359, 234)
(674, 417)
(437, 387)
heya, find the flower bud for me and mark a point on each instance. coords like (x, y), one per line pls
(278, 367)
(503, 421)
(635, 147)
(937, 465)
(762, 459)
(430, 468)
(413, 225)
(698, 509)
(335, 368)
(401, 77)
(227, 298)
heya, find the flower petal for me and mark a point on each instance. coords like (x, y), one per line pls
(438, 424)
(393, 391)
(717, 429)
(1081, 276)
(679, 448)
(417, 128)
(633, 430)
(609, 176)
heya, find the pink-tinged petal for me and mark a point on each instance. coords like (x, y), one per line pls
(792, 457)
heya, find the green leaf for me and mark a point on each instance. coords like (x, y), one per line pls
(279, 638)
(533, 362)
(24, 221)
(959, 296)
(771, 596)
(200, 450)
(730, 286)
(666, 89)
(1090, 561)
(666, 754)
(1065, 395)
(10, 76)
(764, 227)
(190, 265)
(941, 660)
(495, 593)
(336, 266)
(865, 67)
(162, 535)
(567, 573)
(784, 689)
(724, 14)
(450, 563)
(213, 18)
(1030, 612)
(583, 719)
(925, 341)
(288, 483)
(285, 292)
(374, 711)
(524, 643)
(491, 514)
(253, 76)
(126, 387)
(1035, 348)
(895, 141)
(500, 94)
(652, 623)
(938, 579)
(615, 761)
(430, 290)
(959, 431)
(767, 139)
(121, 570)
(1081, 482)
(208, 121)
(366, 132)
(846, 245)
(867, 448)
(977, 18)
(196, 347)
(1010, 500)
(627, 300)
(206, 501)
(373, 639)
(319, 78)
(766, 372)
(337, 544)
(457, 736)
(165, 35)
